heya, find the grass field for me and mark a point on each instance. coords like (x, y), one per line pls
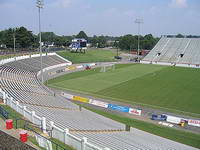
(90, 56)
(174, 88)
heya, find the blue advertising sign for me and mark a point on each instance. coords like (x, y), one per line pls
(118, 108)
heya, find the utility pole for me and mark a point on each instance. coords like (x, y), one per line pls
(40, 5)
(139, 22)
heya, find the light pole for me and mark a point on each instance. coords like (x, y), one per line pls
(40, 5)
(139, 22)
(117, 44)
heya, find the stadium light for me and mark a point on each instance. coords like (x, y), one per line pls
(139, 22)
(40, 5)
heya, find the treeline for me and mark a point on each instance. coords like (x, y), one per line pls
(25, 39)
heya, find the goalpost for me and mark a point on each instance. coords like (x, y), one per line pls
(107, 67)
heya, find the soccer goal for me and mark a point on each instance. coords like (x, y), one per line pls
(107, 67)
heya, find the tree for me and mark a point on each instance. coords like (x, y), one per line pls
(179, 36)
(8, 38)
(82, 34)
(24, 38)
(127, 42)
(48, 37)
(61, 41)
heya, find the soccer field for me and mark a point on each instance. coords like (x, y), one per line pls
(162, 86)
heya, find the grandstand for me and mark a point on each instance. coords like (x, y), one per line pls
(175, 51)
(19, 79)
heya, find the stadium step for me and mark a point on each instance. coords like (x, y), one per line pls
(51, 107)
(95, 131)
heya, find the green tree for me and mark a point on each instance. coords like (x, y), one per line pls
(24, 38)
(82, 34)
(48, 37)
(127, 42)
(179, 36)
(8, 38)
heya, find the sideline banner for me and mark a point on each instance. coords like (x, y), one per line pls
(69, 96)
(81, 99)
(194, 123)
(173, 119)
(98, 103)
(135, 111)
(71, 67)
(118, 108)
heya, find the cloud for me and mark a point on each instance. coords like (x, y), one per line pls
(62, 3)
(179, 3)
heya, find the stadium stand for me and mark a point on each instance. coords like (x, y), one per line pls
(19, 79)
(175, 51)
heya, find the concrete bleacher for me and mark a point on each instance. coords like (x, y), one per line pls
(169, 51)
(20, 82)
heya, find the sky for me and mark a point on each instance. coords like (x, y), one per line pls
(104, 17)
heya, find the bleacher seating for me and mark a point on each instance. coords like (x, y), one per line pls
(175, 51)
(19, 80)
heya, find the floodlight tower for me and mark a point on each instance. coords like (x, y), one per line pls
(139, 22)
(40, 5)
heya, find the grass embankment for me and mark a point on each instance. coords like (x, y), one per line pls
(171, 89)
(20, 124)
(187, 138)
(90, 56)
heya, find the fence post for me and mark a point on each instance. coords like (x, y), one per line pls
(83, 141)
(4, 97)
(32, 116)
(24, 108)
(44, 125)
(17, 105)
(51, 126)
(11, 100)
(66, 132)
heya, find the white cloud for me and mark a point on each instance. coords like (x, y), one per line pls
(178, 3)
(62, 3)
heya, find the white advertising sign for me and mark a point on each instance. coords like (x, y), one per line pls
(98, 103)
(135, 111)
(69, 96)
(173, 119)
(194, 123)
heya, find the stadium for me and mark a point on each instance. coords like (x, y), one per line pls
(79, 92)
(21, 89)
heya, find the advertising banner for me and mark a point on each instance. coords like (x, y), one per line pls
(80, 66)
(99, 103)
(194, 123)
(173, 119)
(118, 108)
(81, 99)
(135, 111)
(71, 67)
(69, 96)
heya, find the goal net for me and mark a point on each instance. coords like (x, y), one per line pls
(107, 67)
